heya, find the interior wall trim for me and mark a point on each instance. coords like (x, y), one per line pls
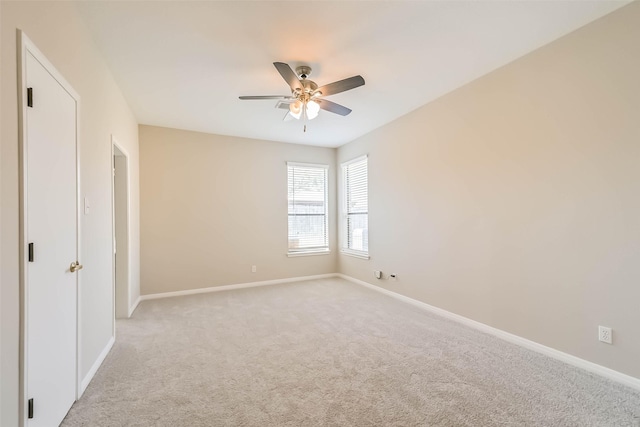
(600, 370)
(134, 306)
(235, 286)
(96, 365)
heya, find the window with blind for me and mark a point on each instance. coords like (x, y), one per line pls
(307, 194)
(355, 215)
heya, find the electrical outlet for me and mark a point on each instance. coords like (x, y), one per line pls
(605, 334)
(378, 274)
(254, 268)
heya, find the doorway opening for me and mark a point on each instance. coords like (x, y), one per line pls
(121, 258)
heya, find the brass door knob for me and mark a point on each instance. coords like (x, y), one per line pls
(75, 266)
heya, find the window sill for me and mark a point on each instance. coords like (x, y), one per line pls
(361, 255)
(308, 253)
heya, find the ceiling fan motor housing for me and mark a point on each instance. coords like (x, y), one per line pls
(308, 89)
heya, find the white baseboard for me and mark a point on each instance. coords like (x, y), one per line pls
(236, 286)
(134, 306)
(96, 365)
(515, 339)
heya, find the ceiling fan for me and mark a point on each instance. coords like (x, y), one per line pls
(307, 99)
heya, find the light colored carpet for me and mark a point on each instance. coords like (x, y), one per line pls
(331, 353)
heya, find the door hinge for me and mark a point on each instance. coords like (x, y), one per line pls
(30, 412)
(30, 252)
(30, 97)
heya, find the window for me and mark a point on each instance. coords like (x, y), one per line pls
(355, 214)
(307, 189)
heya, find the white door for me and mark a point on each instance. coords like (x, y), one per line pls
(50, 191)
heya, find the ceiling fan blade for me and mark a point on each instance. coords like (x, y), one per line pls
(266, 97)
(283, 104)
(341, 85)
(288, 75)
(333, 107)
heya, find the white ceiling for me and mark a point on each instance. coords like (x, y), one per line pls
(183, 64)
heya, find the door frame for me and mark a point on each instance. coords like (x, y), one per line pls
(25, 46)
(116, 145)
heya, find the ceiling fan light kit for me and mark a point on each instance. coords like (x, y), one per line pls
(306, 98)
(309, 109)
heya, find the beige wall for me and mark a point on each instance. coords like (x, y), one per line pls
(2, 358)
(514, 200)
(57, 30)
(212, 206)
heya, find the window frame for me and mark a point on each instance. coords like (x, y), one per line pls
(316, 250)
(344, 214)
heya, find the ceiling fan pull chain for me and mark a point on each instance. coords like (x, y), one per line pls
(304, 117)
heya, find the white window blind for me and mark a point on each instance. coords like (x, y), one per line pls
(356, 205)
(308, 194)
